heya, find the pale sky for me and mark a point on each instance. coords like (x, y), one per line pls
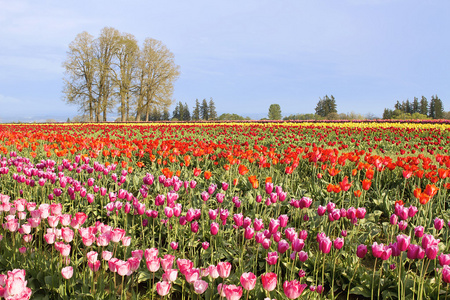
(246, 55)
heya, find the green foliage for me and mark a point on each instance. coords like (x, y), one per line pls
(212, 114)
(274, 112)
(326, 106)
(227, 116)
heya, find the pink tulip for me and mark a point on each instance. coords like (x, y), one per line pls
(248, 281)
(163, 288)
(106, 255)
(418, 231)
(438, 223)
(338, 243)
(269, 281)
(283, 246)
(403, 242)
(233, 292)
(94, 266)
(446, 274)
(153, 264)
(213, 273)
(293, 289)
(192, 275)
(214, 228)
(200, 286)
(92, 256)
(272, 258)
(444, 259)
(361, 251)
(170, 275)
(67, 272)
(224, 269)
(184, 265)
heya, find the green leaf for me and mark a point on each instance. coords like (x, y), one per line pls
(360, 290)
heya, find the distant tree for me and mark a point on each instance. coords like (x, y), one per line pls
(333, 116)
(68, 120)
(165, 115)
(204, 111)
(155, 115)
(423, 107)
(196, 111)
(415, 105)
(326, 106)
(432, 108)
(177, 111)
(436, 110)
(388, 114)
(274, 112)
(300, 117)
(227, 116)
(408, 107)
(446, 115)
(186, 113)
(212, 114)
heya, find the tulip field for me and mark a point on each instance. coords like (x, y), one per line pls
(250, 210)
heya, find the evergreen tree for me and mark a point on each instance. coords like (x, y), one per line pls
(398, 105)
(423, 107)
(387, 114)
(196, 112)
(178, 111)
(212, 110)
(274, 112)
(432, 108)
(155, 115)
(165, 115)
(436, 110)
(186, 113)
(415, 105)
(326, 106)
(204, 113)
(408, 107)
(439, 108)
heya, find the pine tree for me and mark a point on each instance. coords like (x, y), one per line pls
(423, 108)
(408, 107)
(439, 107)
(177, 111)
(186, 113)
(196, 112)
(415, 105)
(204, 113)
(387, 114)
(212, 110)
(432, 108)
(326, 106)
(165, 115)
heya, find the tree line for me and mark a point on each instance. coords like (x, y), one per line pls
(112, 73)
(417, 109)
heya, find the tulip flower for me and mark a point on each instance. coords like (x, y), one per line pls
(224, 269)
(163, 288)
(233, 292)
(248, 281)
(67, 272)
(361, 251)
(293, 289)
(269, 281)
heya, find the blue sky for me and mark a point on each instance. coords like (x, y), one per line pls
(246, 55)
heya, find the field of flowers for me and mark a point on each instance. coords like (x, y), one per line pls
(225, 211)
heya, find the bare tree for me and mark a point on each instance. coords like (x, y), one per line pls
(105, 50)
(125, 72)
(156, 73)
(80, 74)
(99, 73)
